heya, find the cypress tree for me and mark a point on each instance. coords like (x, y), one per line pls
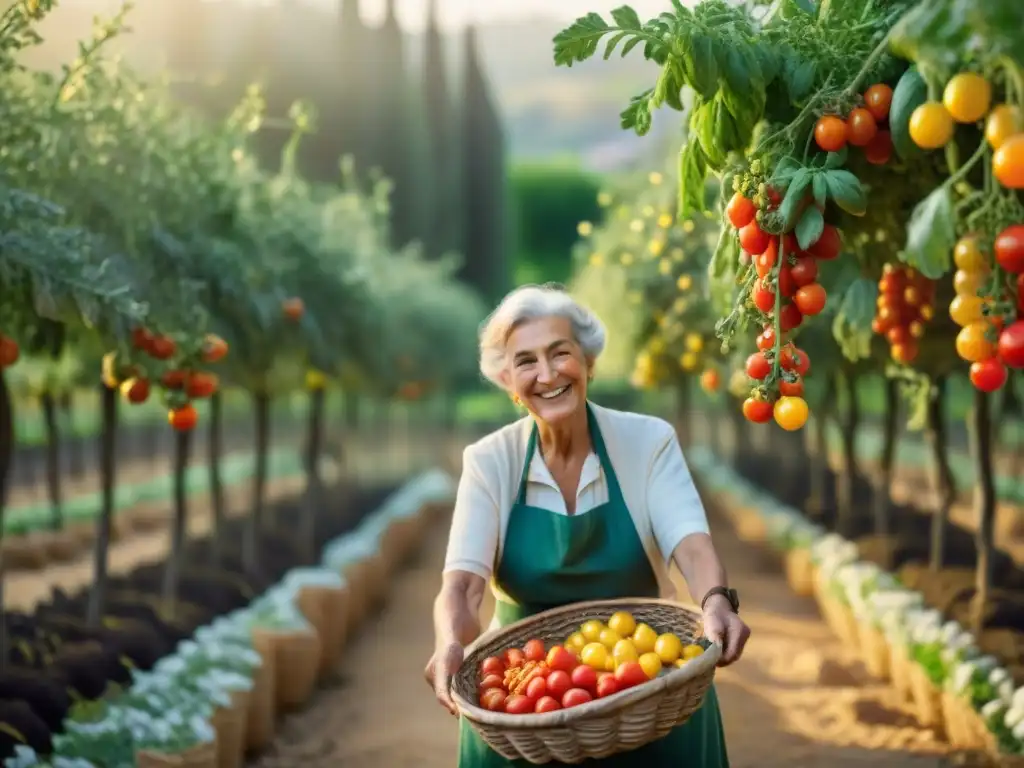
(440, 233)
(485, 229)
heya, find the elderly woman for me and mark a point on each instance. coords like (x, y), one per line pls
(574, 502)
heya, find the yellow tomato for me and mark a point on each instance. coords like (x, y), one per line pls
(964, 310)
(931, 125)
(609, 664)
(691, 652)
(608, 638)
(790, 412)
(594, 655)
(624, 650)
(576, 642)
(688, 361)
(684, 283)
(968, 256)
(651, 664)
(972, 343)
(623, 623)
(694, 342)
(967, 97)
(644, 638)
(668, 647)
(1003, 122)
(968, 283)
(678, 663)
(596, 259)
(591, 630)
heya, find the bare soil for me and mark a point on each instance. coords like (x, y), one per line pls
(797, 698)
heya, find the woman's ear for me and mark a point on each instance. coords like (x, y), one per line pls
(506, 381)
(591, 360)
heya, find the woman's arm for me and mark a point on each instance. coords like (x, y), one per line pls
(697, 560)
(472, 547)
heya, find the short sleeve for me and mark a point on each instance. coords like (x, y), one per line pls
(473, 539)
(675, 508)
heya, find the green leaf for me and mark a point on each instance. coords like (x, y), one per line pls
(613, 42)
(627, 18)
(851, 326)
(637, 116)
(836, 160)
(810, 227)
(799, 77)
(847, 191)
(820, 190)
(795, 198)
(785, 170)
(931, 235)
(692, 174)
(702, 65)
(725, 254)
(578, 42)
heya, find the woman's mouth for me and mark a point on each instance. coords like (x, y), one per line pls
(555, 392)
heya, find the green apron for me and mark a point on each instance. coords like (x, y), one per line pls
(551, 560)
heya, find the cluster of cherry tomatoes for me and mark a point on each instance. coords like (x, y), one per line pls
(991, 338)
(967, 99)
(785, 292)
(865, 127)
(904, 307)
(182, 385)
(9, 351)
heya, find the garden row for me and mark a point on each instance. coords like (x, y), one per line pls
(932, 662)
(202, 683)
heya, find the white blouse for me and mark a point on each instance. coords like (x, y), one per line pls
(648, 462)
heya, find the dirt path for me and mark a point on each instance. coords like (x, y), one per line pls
(797, 698)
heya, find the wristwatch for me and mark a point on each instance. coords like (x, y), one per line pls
(729, 594)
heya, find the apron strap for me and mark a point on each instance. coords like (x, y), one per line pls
(614, 490)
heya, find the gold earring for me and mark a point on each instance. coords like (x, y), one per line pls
(516, 401)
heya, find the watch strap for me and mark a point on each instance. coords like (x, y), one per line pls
(728, 594)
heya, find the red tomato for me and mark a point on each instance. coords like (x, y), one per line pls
(757, 411)
(537, 688)
(830, 133)
(877, 99)
(828, 246)
(757, 366)
(791, 388)
(546, 704)
(534, 650)
(584, 677)
(1009, 249)
(790, 317)
(764, 263)
(1011, 345)
(518, 705)
(787, 285)
(740, 211)
(576, 696)
(763, 297)
(560, 658)
(606, 685)
(492, 665)
(794, 359)
(810, 299)
(630, 673)
(558, 683)
(493, 699)
(514, 656)
(988, 375)
(879, 150)
(754, 240)
(861, 127)
(766, 339)
(492, 681)
(804, 271)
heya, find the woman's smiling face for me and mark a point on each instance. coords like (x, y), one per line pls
(547, 370)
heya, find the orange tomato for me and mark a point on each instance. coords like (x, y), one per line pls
(878, 99)
(861, 127)
(830, 133)
(183, 419)
(9, 352)
(293, 308)
(1008, 162)
(973, 344)
(791, 413)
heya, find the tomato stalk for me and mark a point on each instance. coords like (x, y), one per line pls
(104, 524)
(940, 473)
(854, 86)
(179, 524)
(883, 486)
(980, 432)
(847, 480)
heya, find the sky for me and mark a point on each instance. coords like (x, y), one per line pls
(454, 14)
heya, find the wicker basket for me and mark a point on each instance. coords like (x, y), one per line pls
(899, 671)
(800, 571)
(619, 723)
(261, 723)
(927, 700)
(874, 650)
(230, 724)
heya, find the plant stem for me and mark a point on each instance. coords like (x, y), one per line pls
(984, 506)
(108, 470)
(941, 474)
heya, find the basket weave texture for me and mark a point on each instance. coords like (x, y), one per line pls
(619, 723)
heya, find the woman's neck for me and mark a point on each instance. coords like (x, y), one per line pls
(567, 439)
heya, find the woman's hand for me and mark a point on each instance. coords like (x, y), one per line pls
(441, 669)
(724, 626)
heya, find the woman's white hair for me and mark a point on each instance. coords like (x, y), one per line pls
(531, 302)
